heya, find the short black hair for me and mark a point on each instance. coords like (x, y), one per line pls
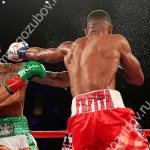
(99, 14)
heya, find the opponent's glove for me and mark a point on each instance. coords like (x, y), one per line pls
(26, 72)
(16, 51)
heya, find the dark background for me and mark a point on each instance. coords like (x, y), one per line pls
(48, 108)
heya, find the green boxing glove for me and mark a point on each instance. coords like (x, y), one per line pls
(25, 73)
(32, 69)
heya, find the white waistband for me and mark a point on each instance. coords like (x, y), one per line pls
(96, 100)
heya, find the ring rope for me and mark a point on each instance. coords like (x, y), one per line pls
(60, 134)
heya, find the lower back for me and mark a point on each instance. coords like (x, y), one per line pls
(91, 81)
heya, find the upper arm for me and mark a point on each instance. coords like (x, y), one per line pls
(132, 67)
(128, 60)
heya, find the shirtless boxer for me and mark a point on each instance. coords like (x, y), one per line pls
(11, 106)
(98, 114)
(14, 131)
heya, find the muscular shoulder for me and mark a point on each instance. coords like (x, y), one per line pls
(122, 42)
(65, 44)
(65, 47)
(120, 38)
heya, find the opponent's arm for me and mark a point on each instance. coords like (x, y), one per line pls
(51, 55)
(4, 94)
(28, 71)
(132, 68)
(4, 68)
(7, 71)
(55, 79)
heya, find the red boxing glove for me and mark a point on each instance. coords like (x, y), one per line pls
(14, 84)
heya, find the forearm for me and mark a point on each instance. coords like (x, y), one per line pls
(134, 75)
(57, 75)
(55, 79)
(4, 94)
(51, 55)
(132, 69)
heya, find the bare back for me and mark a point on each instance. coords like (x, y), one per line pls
(13, 105)
(92, 63)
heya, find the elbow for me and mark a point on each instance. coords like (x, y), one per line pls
(136, 76)
(140, 80)
(138, 83)
(136, 80)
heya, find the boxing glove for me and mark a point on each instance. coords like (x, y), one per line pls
(26, 72)
(16, 51)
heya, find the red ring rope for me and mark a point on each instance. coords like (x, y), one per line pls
(60, 134)
(48, 134)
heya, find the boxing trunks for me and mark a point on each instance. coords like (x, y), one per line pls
(100, 121)
(14, 134)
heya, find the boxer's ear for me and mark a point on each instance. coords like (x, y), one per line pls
(86, 31)
(110, 29)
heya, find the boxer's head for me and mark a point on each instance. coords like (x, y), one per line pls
(98, 21)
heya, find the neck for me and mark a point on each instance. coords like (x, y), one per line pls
(98, 33)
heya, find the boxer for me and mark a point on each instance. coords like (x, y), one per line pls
(11, 105)
(14, 131)
(99, 117)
